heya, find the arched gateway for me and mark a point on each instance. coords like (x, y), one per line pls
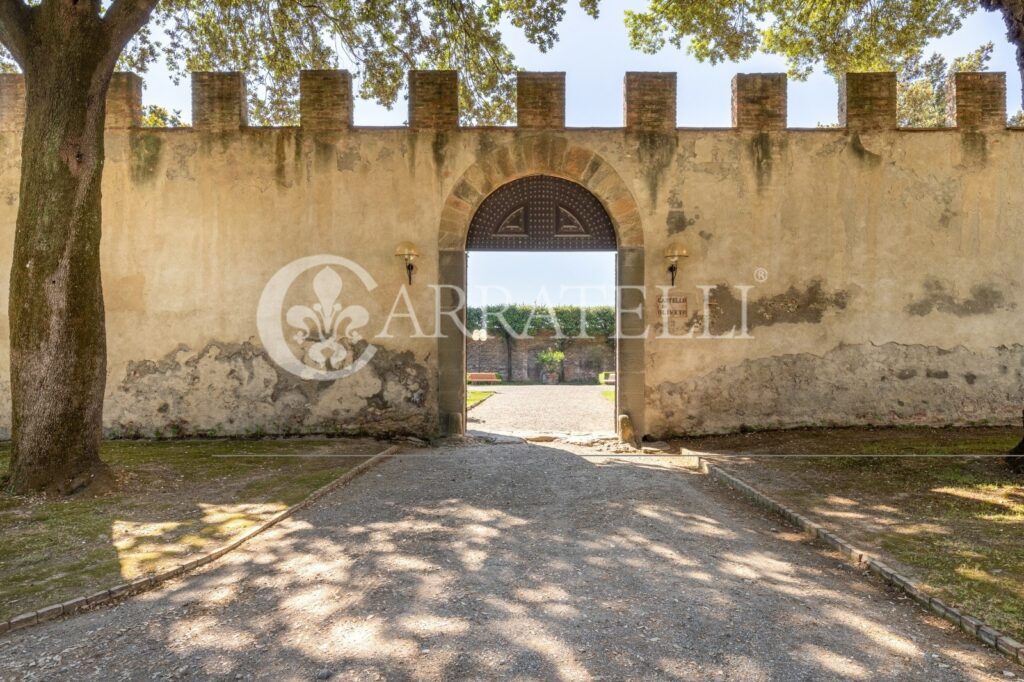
(571, 201)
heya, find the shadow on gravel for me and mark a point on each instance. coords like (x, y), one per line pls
(527, 561)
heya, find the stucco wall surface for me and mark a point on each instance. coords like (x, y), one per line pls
(884, 270)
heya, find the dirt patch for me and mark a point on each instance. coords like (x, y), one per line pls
(940, 505)
(172, 500)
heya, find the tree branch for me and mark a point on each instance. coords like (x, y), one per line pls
(14, 28)
(1013, 17)
(124, 19)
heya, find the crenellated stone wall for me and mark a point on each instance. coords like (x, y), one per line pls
(878, 270)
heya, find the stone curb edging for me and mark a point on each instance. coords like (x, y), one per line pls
(974, 627)
(140, 585)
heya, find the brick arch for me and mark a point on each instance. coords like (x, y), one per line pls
(539, 155)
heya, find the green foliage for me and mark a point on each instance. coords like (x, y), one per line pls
(923, 86)
(529, 320)
(154, 116)
(379, 40)
(551, 359)
(852, 36)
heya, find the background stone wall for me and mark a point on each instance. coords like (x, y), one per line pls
(516, 359)
(882, 267)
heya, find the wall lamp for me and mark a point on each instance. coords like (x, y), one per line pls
(407, 250)
(673, 252)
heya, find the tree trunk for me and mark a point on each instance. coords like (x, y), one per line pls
(1013, 17)
(58, 339)
(508, 355)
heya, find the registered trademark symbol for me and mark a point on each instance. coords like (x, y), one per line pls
(761, 275)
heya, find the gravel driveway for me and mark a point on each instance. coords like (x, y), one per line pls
(514, 561)
(563, 408)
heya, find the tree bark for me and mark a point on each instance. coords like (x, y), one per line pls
(1013, 17)
(67, 52)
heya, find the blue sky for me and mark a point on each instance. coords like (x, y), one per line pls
(595, 55)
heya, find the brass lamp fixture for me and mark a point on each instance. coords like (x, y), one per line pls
(673, 252)
(407, 250)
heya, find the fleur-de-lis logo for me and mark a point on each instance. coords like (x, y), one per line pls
(325, 331)
(326, 325)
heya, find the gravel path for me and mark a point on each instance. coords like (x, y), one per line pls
(521, 561)
(564, 408)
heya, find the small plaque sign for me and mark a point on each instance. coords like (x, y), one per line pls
(673, 313)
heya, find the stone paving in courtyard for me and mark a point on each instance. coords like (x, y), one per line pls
(563, 408)
(514, 560)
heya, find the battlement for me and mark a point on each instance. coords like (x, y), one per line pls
(867, 101)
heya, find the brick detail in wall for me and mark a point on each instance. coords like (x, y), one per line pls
(978, 100)
(124, 101)
(325, 99)
(867, 101)
(650, 101)
(584, 358)
(12, 101)
(759, 101)
(219, 101)
(540, 99)
(433, 100)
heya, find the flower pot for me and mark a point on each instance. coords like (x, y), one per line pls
(551, 377)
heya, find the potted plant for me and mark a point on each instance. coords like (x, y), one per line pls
(551, 361)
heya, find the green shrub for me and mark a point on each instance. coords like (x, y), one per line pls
(551, 359)
(529, 320)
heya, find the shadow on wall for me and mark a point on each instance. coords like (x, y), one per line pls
(481, 576)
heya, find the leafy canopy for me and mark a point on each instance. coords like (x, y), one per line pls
(379, 40)
(853, 35)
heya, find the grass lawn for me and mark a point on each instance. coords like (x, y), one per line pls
(474, 398)
(608, 394)
(172, 499)
(952, 521)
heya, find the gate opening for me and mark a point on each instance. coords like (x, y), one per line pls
(541, 357)
(537, 213)
(541, 369)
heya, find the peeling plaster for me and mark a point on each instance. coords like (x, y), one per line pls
(677, 221)
(851, 385)
(793, 306)
(939, 296)
(235, 390)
